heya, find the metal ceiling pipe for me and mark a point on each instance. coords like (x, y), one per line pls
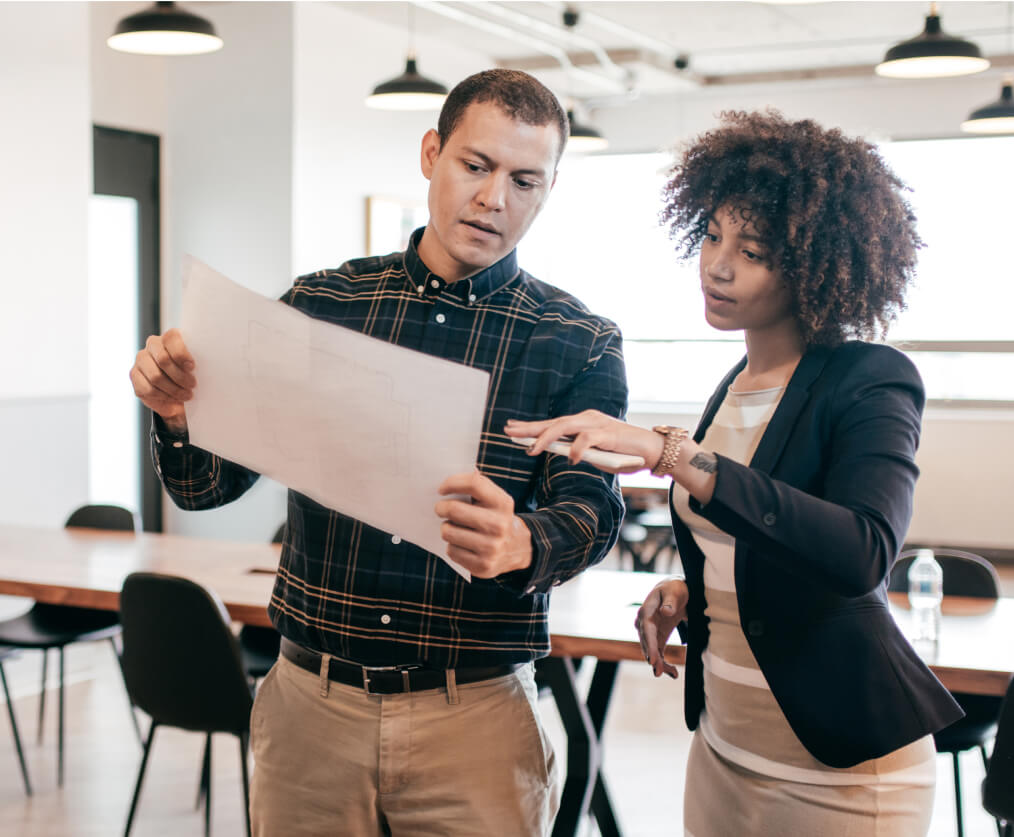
(530, 41)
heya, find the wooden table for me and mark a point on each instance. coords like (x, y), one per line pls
(591, 616)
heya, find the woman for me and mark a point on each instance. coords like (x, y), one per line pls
(813, 715)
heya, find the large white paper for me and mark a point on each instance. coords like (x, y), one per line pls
(357, 424)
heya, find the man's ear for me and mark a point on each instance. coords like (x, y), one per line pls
(429, 152)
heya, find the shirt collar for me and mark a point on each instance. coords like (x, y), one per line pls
(476, 287)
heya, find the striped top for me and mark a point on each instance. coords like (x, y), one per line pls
(741, 719)
(364, 595)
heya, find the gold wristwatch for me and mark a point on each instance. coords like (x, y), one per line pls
(674, 438)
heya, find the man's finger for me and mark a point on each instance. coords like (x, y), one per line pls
(481, 489)
(180, 354)
(168, 366)
(150, 375)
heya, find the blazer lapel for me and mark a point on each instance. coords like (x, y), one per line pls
(797, 393)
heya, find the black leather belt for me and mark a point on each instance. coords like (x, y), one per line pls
(389, 680)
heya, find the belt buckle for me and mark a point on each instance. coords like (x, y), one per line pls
(404, 676)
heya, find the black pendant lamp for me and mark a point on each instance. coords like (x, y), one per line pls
(932, 54)
(165, 29)
(996, 117)
(583, 137)
(409, 91)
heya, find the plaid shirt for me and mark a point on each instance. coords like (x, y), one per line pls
(358, 593)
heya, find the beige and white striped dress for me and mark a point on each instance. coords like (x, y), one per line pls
(748, 774)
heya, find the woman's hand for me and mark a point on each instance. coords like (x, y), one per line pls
(663, 609)
(591, 429)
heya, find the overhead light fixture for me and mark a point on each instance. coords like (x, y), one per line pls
(932, 54)
(583, 137)
(996, 117)
(165, 29)
(409, 91)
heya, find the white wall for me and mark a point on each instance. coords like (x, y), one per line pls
(129, 91)
(45, 172)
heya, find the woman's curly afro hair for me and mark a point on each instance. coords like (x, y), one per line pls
(829, 210)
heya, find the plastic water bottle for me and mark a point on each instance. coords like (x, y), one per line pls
(925, 590)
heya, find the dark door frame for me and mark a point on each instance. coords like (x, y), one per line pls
(126, 164)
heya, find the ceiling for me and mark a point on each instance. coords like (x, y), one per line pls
(626, 48)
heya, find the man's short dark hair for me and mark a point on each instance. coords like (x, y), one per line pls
(519, 95)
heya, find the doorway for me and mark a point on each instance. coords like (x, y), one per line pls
(124, 295)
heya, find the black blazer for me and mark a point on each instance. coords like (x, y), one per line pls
(819, 516)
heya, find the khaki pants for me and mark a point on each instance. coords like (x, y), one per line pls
(417, 764)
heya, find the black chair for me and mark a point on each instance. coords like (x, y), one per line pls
(47, 626)
(4, 654)
(965, 574)
(183, 666)
(260, 646)
(646, 536)
(998, 786)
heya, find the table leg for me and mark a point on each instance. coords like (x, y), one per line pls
(583, 789)
(599, 694)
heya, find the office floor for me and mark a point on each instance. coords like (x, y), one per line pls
(645, 749)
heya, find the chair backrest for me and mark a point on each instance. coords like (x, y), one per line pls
(103, 517)
(965, 573)
(998, 786)
(181, 662)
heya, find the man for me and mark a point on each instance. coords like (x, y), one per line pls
(404, 699)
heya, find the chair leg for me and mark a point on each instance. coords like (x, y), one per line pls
(42, 695)
(207, 788)
(14, 730)
(140, 778)
(985, 757)
(202, 786)
(59, 729)
(243, 747)
(133, 711)
(957, 795)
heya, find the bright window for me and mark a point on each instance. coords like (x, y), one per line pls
(600, 239)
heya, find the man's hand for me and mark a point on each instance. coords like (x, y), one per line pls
(484, 535)
(657, 618)
(163, 378)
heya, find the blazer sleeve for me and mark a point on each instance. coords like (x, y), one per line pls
(845, 532)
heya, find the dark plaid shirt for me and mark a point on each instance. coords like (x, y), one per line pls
(358, 593)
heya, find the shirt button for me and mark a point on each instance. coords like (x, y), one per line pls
(769, 519)
(434, 283)
(177, 444)
(755, 627)
(471, 297)
(395, 540)
(385, 620)
(420, 288)
(440, 318)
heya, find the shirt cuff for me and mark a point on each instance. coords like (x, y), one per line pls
(166, 437)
